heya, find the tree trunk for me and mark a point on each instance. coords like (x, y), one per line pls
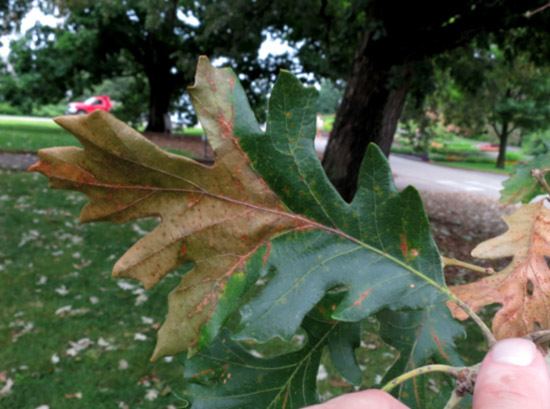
(503, 137)
(160, 94)
(369, 112)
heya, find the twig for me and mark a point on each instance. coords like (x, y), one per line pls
(487, 333)
(454, 400)
(530, 13)
(451, 370)
(540, 175)
(447, 261)
(539, 337)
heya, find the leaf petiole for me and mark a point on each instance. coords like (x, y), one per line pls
(448, 261)
(485, 330)
(451, 370)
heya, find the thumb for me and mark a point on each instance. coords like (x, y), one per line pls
(513, 375)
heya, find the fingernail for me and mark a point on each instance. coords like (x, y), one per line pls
(514, 351)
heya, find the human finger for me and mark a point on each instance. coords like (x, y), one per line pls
(369, 399)
(513, 375)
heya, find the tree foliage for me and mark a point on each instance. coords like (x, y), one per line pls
(155, 42)
(486, 87)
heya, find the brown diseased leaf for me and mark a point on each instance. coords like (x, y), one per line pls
(214, 216)
(523, 287)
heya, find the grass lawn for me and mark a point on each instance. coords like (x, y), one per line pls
(17, 135)
(70, 335)
(29, 135)
(190, 132)
(485, 167)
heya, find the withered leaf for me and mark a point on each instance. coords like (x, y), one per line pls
(215, 216)
(523, 287)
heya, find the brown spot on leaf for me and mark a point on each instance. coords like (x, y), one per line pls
(267, 253)
(403, 245)
(364, 294)
(440, 346)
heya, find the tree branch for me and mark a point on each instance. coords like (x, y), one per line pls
(426, 40)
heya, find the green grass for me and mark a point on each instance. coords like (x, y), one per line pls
(49, 261)
(29, 135)
(482, 166)
(195, 131)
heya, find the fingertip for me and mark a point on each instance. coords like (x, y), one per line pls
(513, 375)
(372, 398)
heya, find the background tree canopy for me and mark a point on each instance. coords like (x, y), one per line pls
(385, 53)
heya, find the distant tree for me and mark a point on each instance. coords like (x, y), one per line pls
(154, 40)
(11, 14)
(381, 47)
(330, 96)
(487, 87)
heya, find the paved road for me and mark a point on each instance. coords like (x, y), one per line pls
(435, 178)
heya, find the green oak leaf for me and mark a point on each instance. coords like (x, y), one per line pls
(226, 376)
(413, 333)
(378, 215)
(521, 187)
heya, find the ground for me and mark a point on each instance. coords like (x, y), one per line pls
(459, 222)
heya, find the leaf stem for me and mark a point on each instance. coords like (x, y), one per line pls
(540, 175)
(451, 370)
(485, 330)
(539, 337)
(453, 401)
(447, 261)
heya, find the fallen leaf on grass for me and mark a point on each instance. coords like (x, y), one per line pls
(67, 311)
(24, 328)
(78, 346)
(523, 287)
(123, 365)
(151, 394)
(6, 389)
(140, 337)
(62, 291)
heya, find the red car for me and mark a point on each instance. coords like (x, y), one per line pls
(95, 103)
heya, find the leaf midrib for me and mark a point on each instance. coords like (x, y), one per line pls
(303, 221)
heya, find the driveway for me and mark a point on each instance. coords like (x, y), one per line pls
(434, 178)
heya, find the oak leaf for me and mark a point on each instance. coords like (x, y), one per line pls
(523, 287)
(215, 216)
(265, 258)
